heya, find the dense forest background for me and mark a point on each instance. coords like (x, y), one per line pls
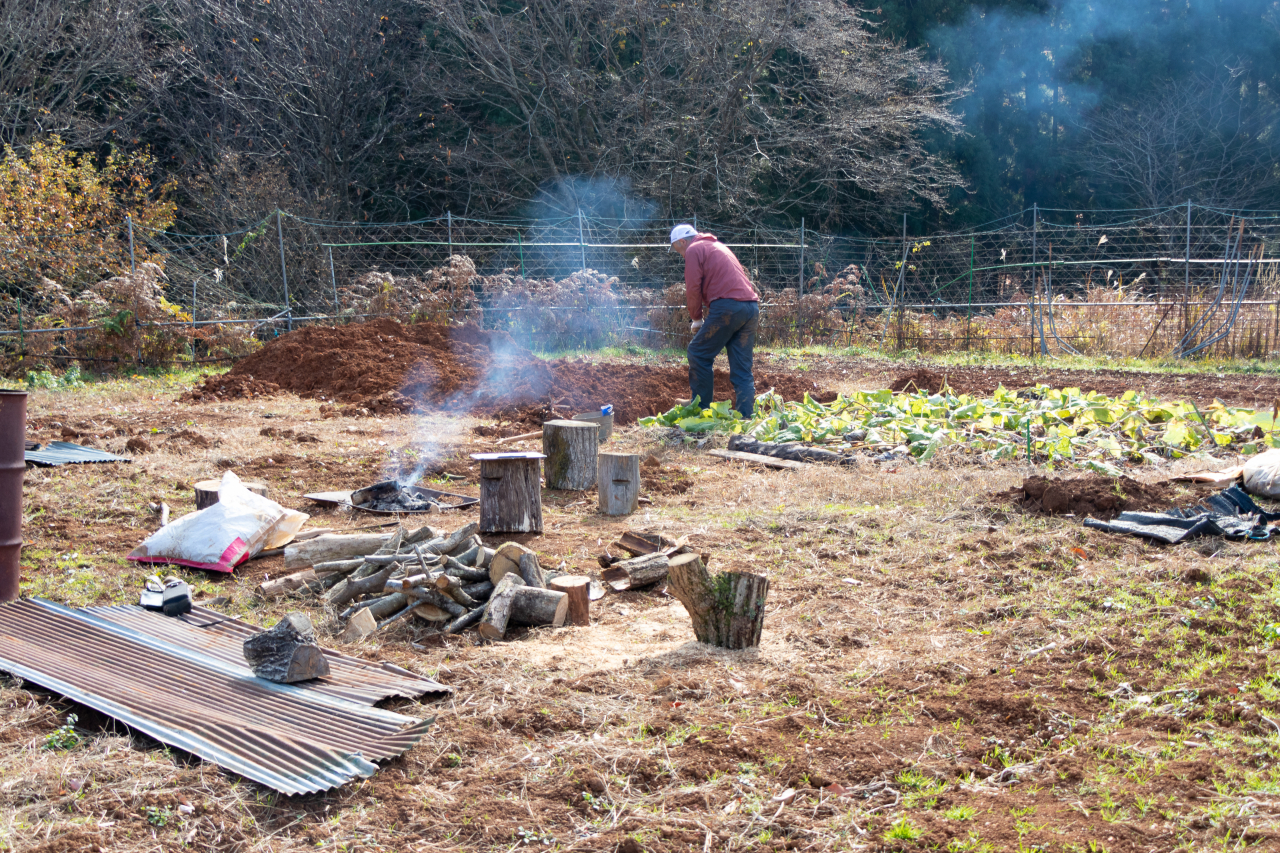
(751, 112)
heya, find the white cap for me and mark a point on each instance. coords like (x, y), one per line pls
(683, 231)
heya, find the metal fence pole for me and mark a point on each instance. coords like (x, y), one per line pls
(133, 264)
(448, 215)
(802, 256)
(582, 245)
(520, 249)
(968, 323)
(284, 274)
(333, 280)
(1037, 316)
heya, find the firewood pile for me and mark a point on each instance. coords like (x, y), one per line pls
(449, 579)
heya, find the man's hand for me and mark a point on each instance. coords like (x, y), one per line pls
(695, 326)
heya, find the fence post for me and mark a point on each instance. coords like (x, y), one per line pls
(802, 256)
(902, 271)
(333, 279)
(582, 245)
(133, 265)
(448, 215)
(520, 249)
(1037, 327)
(284, 274)
(968, 323)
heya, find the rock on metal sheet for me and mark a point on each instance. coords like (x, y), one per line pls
(285, 736)
(349, 677)
(64, 453)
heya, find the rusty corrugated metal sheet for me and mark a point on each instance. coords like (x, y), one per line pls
(288, 737)
(349, 677)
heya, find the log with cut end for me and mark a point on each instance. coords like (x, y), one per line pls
(531, 572)
(431, 613)
(635, 573)
(303, 581)
(578, 590)
(464, 621)
(479, 591)
(532, 606)
(452, 587)
(353, 589)
(207, 492)
(359, 626)
(727, 609)
(506, 560)
(493, 623)
(334, 546)
(618, 482)
(338, 567)
(287, 652)
(570, 448)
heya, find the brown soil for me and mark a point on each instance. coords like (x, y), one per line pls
(921, 379)
(384, 367)
(1093, 495)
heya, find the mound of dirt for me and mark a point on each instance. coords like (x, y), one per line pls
(385, 367)
(1092, 495)
(921, 379)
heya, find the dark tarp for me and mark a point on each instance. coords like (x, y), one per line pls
(1231, 514)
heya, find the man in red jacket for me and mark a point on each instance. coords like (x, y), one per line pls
(714, 278)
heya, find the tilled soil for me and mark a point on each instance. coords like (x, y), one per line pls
(1093, 495)
(384, 367)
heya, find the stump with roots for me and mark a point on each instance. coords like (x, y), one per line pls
(727, 609)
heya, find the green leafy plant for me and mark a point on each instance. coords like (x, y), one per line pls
(903, 829)
(65, 736)
(158, 816)
(960, 813)
(50, 381)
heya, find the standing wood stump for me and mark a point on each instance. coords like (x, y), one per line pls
(727, 609)
(207, 491)
(570, 447)
(578, 588)
(510, 492)
(618, 480)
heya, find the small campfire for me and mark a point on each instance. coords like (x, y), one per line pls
(390, 496)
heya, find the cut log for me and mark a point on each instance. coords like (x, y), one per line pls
(570, 448)
(287, 652)
(463, 622)
(452, 587)
(381, 608)
(578, 590)
(531, 572)
(793, 451)
(359, 626)
(511, 493)
(431, 595)
(303, 580)
(338, 567)
(464, 573)
(539, 606)
(471, 556)
(493, 623)
(618, 481)
(431, 613)
(727, 609)
(524, 436)
(506, 560)
(207, 491)
(353, 589)
(447, 544)
(635, 573)
(640, 544)
(479, 591)
(339, 591)
(335, 546)
(758, 459)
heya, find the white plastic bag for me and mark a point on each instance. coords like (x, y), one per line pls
(224, 535)
(1262, 474)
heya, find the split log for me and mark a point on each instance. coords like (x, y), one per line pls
(531, 572)
(511, 494)
(493, 623)
(287, 652)
(430, 613)
(635, 573)
(578, 590)
(618, 481)
(334, 546)
(359, 626)
(207, 492)
(303, 580)
(727, 610)
(641, 544)
(570, 448)
(353, 589)
(539, 607)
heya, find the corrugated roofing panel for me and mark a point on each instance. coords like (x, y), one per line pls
(64, 453)
(289, 737)
(349, 677)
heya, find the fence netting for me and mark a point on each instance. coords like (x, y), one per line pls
(1183, 281)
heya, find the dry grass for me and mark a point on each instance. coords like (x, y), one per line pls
(928, 650)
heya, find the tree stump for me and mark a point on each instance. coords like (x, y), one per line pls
(287, 652)
(539, 607)
(570, 447)
(618, 480)
(510, 492)
(578, 588)
(207, 492)
(727, 609)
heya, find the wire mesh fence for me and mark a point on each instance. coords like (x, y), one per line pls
(1185, 281)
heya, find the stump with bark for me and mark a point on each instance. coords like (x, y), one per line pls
(207, 491)
(727, 609)
(570, 447)
(618, 481)
(287, 652)
(510, 492)
(578, 589)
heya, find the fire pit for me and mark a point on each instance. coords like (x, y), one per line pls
(391, 498)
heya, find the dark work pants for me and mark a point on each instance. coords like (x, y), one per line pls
(729, 325)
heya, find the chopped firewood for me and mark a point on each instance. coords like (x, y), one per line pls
(532, 606)
(758, 459)
(431, 595)
(359, 626)
(479, 591)
(430, 613)
(464, 621)
(531, 572)
(353, 589)
(287, 652)
(303, 580)
(506, 559)
(636, 572)
(334, 546)
(578, 590)
(341, 567)
(493, 624)
(452, 587)
(642, 544)
(446, 544)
